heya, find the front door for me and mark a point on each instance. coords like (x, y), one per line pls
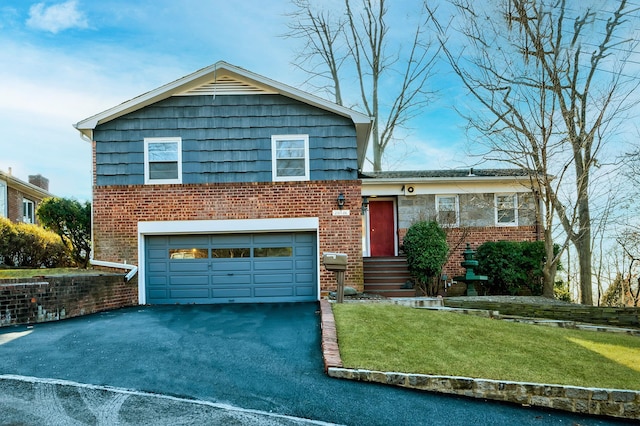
(382, 228)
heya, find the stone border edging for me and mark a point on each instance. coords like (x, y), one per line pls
(618, 403)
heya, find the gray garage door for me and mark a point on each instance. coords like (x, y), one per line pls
(231, 268)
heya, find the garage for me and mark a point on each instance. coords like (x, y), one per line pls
(231, 268)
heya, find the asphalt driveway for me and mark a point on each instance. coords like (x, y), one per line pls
(257, 357)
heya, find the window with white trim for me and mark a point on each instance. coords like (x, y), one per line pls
(506, 209)
(447, 210)
(28, 211)
(162, 160)
(290, 157)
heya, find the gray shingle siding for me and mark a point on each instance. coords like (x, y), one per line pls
(226, 139)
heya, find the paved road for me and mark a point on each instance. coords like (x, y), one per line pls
(258, 357)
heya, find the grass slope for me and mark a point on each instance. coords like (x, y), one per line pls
(400, 339)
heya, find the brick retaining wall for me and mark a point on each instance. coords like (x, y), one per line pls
(616, 317)
(26, 301)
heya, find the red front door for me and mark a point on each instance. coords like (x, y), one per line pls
(382, 228)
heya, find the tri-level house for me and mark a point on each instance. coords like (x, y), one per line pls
(225, 186)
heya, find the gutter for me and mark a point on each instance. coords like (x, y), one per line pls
(133, 269)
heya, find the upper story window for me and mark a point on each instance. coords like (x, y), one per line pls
(290, 157)
(506, 209)
(447, 210)
(28, 211)
(163, 160)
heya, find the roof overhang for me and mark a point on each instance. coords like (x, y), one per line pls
(25, 187)
(219, 71)
(393, 186)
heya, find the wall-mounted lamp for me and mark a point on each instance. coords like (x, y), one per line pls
(341, 200)
(365, 204)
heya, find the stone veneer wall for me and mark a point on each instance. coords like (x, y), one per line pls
(604, 402)
(27, 301)
(118, 209)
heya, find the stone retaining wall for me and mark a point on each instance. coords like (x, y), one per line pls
(27, 301)
(616, 317)
(605, 402)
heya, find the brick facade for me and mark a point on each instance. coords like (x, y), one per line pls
(27, 301)
(118, 209)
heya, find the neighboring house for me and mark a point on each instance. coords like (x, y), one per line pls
(225, 186)
(471, 205)
(19, 200)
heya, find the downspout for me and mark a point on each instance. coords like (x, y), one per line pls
(133, 269)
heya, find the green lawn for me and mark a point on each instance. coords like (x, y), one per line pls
(394, 338)
(28, 273)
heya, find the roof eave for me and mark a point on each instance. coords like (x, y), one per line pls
(449, 179)
(362, 122)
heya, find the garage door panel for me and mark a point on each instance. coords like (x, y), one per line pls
(306, 264)
(232, 292)
(231, 268)
(184, 266)
(273, 292)
(260, 239)
(304, 251)
(273, 265)
(158, 294)
(281, 278)
(227, 279)
(159, 253)
(189, 293)
(157, 267)
(305, 291)
(156, 280)
(304, 278)
(186, 280)
(189, 240)
(231, 265)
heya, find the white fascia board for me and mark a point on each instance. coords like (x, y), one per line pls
(228, 225)
(444, 186)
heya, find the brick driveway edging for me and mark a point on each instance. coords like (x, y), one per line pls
(618, 403)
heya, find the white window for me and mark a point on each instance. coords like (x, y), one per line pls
(162, 160)
(28, 211)
(506, 209)
(3, 199)
(447, 210)
(290, 157)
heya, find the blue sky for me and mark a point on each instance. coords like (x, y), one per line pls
(66, 60)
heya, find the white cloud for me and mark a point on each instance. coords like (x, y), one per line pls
(57, 17)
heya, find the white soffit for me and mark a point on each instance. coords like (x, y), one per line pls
(226, 85)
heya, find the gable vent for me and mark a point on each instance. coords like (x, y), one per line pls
(225, 85)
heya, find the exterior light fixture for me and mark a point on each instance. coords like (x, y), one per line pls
(365, 204)
(341, 200)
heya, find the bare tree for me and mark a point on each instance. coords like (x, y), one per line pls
(354, 42)
(550, 78)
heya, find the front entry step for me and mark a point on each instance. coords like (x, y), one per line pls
(387, 276)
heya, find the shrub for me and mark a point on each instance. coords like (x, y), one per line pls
(425, 245)
(31, 246)
(512, 266)
(71, 220)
